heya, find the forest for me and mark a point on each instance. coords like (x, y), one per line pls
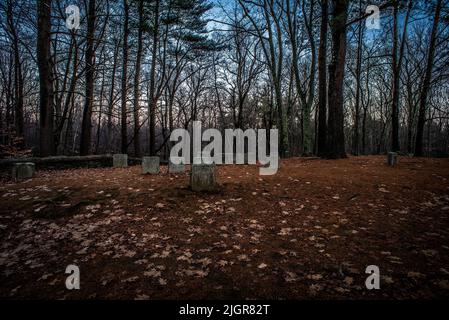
(118, 76)
(336, 187)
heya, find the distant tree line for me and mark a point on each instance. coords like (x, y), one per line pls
(137, 69)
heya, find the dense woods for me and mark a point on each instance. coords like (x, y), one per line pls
(135, 70)
(352, 94)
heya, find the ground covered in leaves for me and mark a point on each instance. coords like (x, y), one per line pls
(307, 232)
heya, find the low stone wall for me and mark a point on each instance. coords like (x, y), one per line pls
(65, 162)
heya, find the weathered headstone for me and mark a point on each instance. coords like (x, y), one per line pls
(23, 171)
(150, 165)
(175, 168)
(203, 177)
(120, 160)
(392, 159)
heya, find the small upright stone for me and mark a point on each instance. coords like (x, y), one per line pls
(392, 159)
(202, 177)
(23, 171)
(175, 168)
(120, 160)
(150, 165)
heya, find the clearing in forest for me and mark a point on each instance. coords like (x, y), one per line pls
(307, 232)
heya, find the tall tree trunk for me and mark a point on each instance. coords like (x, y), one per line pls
(153, 95)
(46, 138)
(137, 81)
(277, 78)
(366, 109)
(426, 82)
(396, 68)
(61, 130)
(86, 127)
(307, 131)
(358, 72)
(292, 33)
(124, 127)
(364, 130)
(282, 120)
(395, 86)
(18, 75)
(322, 80)
(336, 137)
(411, 106)
(19, 95)
(100, 112)
(111, 100)
(9, 94)
(69, 124)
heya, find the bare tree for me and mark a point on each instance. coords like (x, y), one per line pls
(11, 27)
(274, 55)
(336, 138)
(427, 81)
(137, 79)
(47, 146)
(124, 118)
(85, 140)
(322, 79)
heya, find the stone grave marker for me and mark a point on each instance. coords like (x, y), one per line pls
(150, 165)
(120, 160)
(175, 168)
(392, 159)
(23, 171)
(203, 177)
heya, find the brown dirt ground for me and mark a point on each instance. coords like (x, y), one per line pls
(308, 232)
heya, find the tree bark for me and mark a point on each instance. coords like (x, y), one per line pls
(18, 74)
(137, 81)
(395, 86)
(426, 82)
(153, 95)
(358, 72)
(322, 80)
(124, 127)
(307, 108)
(336, 137)
(46, 138)
(100, 112)
(86, 127)
(111, 99)
(396, 68)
